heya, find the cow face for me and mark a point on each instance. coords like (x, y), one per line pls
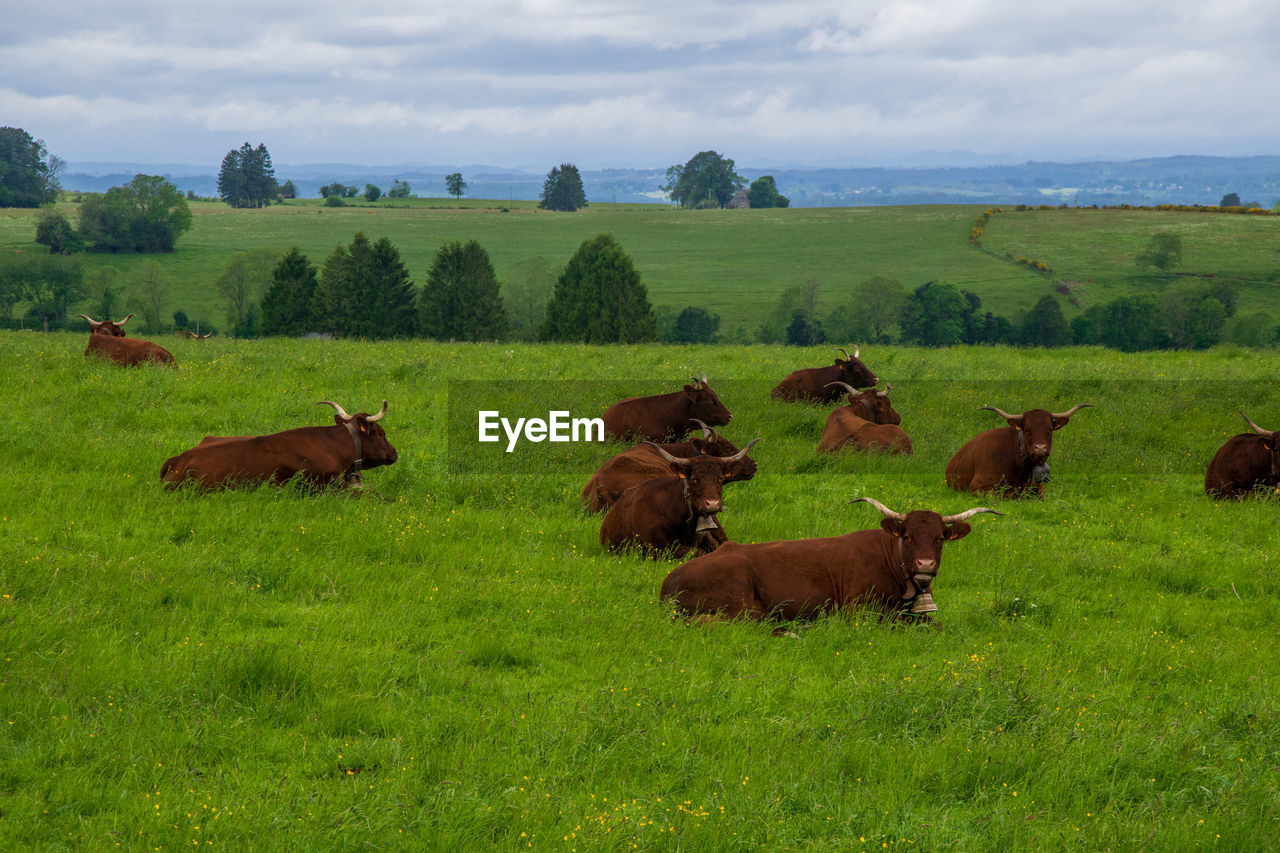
(374, 446)
(717, 446)
(705, 405)
(920, 535)
(1035, 431)
(854, 372)
(704, 476)
(876, 405)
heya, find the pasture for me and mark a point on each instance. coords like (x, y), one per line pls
(450, 660)
(735, 263)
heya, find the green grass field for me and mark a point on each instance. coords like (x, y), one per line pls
(451, 662)
(736, 262)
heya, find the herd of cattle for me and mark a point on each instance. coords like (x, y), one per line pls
(664, 494)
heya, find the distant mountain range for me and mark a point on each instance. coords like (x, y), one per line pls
(1164, 180)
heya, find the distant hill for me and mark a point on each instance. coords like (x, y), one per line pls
(1164, 180)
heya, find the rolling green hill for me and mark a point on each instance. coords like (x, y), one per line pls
(736, 263)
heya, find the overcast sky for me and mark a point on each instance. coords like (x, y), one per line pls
(533, 83)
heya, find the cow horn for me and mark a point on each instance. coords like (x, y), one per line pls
(896, 516)
(845, 386)
(1071, 411)
(846, 353)
(375, 418)
(708, 434)
(885, 392)
(741, 453)
(122, 322)
(1265, 433)
(341, 412)
(705, 383)
(961, 516)
(92, 322)
(674, 460)
(1003, 414)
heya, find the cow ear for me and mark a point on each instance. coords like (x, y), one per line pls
(1058, 423)
(958, 530)
(691, 392)
(892, 526)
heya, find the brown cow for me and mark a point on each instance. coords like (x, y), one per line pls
(676, 513)
(637, 464)
(892, 569)
(1009, 460)
(107, 339)
(869, 422)
(1247, 462)
(813, 384)
(318, 454)
(665, 417)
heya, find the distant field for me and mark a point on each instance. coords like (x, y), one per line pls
(452, 662)
(736, 263)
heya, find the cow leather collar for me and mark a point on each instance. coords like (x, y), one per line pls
(354, 479)
(906, 577)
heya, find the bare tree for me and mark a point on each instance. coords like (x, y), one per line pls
(243, 281)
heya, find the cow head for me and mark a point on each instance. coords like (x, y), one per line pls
(871, 405)
(1268, 441)
(920, 535)
(704, 477)
(113, 328)
(374, 448)
(1035, 435)
(704, 404)
(714, 444)
(854, 372)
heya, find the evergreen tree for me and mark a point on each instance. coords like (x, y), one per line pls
(599, 298)
(365, 291)
(461, 299)
(562, 190)
(286, 306)
(247, 178)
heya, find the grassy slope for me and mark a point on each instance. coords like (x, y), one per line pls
(736, 262)
(453, 660)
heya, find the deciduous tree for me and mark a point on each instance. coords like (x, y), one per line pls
(148, 214)
(455, 185)
(245, 277)
(763, 192)
(51, 283)
(707, 180)
(1163, 251)
(28, 174)
(399, 189)
(526, 291)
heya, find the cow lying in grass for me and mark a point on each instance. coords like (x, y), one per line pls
(1247, 463)
(107, 339)
(891, 568)
(676, 513)
(868, 422)
(318, 454)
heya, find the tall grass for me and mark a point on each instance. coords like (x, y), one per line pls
(452, 661)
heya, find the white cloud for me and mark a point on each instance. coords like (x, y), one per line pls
(642, 81)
